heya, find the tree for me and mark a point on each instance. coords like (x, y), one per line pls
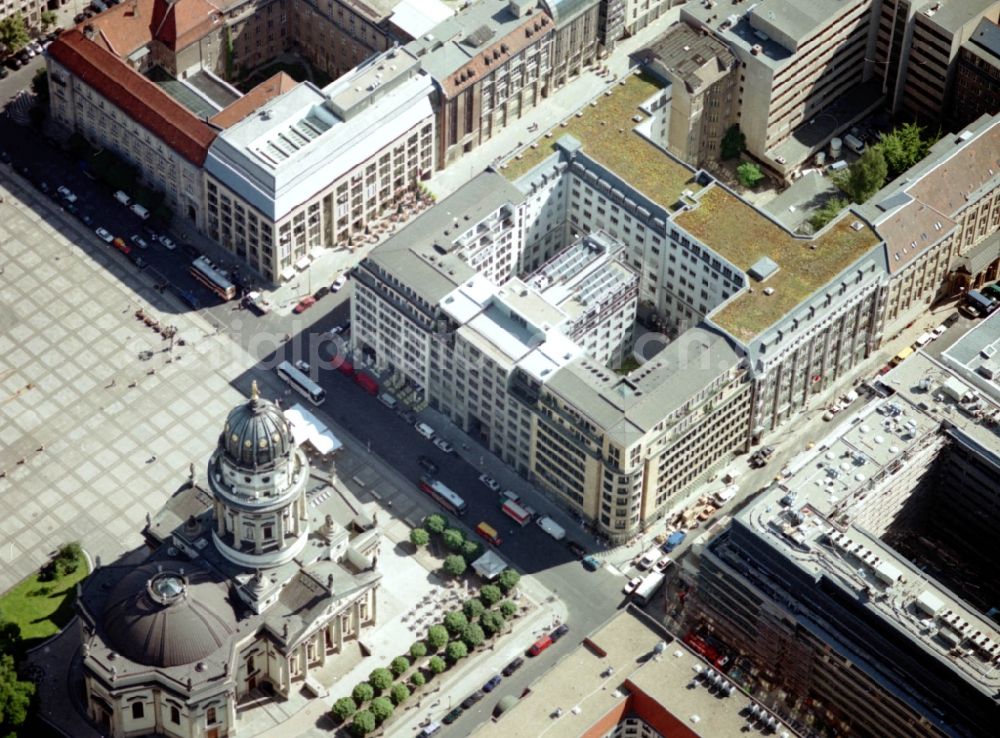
(418, 650)
(471, 550)
(490, 594)
(363, 723)
(455, 622)
(454, 565)
(733, 143)
(10, 637)
(473, 608)
(492, 622)
(473, 636)
(343, 709)
(48, 18)
(380, 679)
(417, 679)
(419, 537)
(399, 693)
(864, 177)
(903, 147)
(40, 86)
(399, 665)
(15, 697)
(456, 650)
(436, 664)
(508, 609)
(828, 212)
(749, 174)
(453, 539)
(381, 708)
(435, 523)
(437, 637)
(13, 33)
(362, 693)
(508, 580)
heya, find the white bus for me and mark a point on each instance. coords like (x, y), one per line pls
(443, 496)
(649, 587)
(301, 383)
(209, 276)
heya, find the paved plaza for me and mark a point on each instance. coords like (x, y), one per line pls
(95, 433)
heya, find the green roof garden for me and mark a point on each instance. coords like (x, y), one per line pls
(604, 130)
(743, 235)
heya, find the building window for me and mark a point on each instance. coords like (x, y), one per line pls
(210, 716)
(137, 711)
(175, 715)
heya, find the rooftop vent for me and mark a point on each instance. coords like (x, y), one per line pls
(857, 225)
(756, 49)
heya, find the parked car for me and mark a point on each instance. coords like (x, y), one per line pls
(338, 283)
(427, 464)
(104, 235)
(559, 632)
(303, 366)
(119, 243)
(86, 219)
(512, 666)
(167, 243)
(321, 293)
(631, 585)
(304, 304)
(473, 699)
(492, 684)
(662, 564)
(452, 716)
(540, 645)
(444, 445)
(490, 482)
(578, 550)
(139, 241)
(591, 563)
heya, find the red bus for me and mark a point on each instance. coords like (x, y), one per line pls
(518, 513)
(366, 382)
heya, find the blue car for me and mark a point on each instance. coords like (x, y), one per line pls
(492, 683)
(591, 563)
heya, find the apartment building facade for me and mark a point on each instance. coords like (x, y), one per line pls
(703, 79)
(313, 168)
(977, 75)
(29, 10)
(575, 40)
(133, 117)
(917, 49)
(640, 13)
(794, 65)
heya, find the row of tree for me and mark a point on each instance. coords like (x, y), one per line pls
(459, 633)
(14, 34)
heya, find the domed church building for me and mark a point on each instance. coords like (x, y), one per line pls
(241, 597)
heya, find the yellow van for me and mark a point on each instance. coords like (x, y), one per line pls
(488, 532)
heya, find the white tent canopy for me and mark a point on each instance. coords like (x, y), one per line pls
(489, 565)
(307, 428)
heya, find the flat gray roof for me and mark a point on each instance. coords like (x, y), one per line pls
(951, 15)
(626, 407)
(422, 256)
(976, 356)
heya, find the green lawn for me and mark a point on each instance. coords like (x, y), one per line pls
(41, 608)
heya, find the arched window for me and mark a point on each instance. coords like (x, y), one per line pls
(175, 715)
(210, 716)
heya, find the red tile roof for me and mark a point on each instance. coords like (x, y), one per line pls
(179, 23)
(140, 99)
(948, 187)
(910, 231)
(123, 28)
(246, 105)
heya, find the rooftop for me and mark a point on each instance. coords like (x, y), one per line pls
(142, 100)
(976, 356)
(267, 90)
(628, 667)
(952, 15)
(823, 512)
(987, 38)
(605, 130)
(696, 59)
(741, 234)
(417, 17)
(629, 407)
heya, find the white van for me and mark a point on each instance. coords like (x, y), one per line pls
(425, 430)
(432, 729)
(123, 198)
(388, 400)
(140, 211)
